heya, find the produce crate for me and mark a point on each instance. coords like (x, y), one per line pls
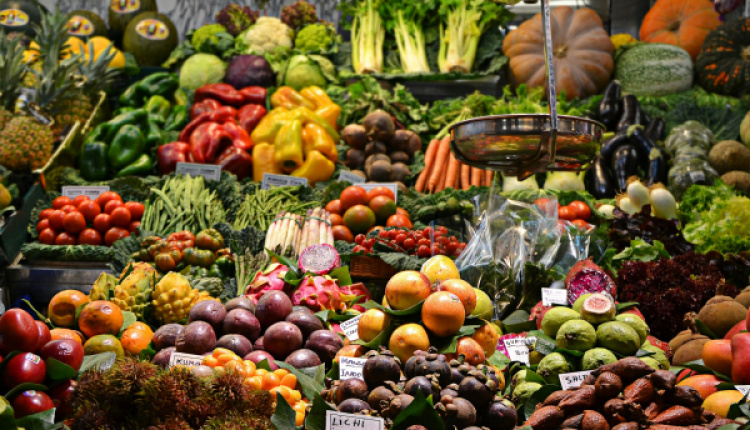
(361, 266)
(13, 232)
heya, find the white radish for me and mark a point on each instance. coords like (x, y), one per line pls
(663, 202)
(637, 193)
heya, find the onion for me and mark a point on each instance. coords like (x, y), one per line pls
(663, 202)
(607, 211)
(637, 193)
(624, 203)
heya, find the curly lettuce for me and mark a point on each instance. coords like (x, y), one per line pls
(716, 219)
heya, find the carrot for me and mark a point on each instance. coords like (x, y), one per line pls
(452, 174)
(421, 179)
(476, 176)
(429, 161)
(441, 180)
(441, 163)
(465, 176)
(488, 175)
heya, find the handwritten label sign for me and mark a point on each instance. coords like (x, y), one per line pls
(340, 421)
(182, 359)
(351, 327)
(573, 379)
(91, 192)
(391, 185)
(271, 180)
(744, 389)
(347, 176)
(518, 349)
(554, 296)
(351, 368)
(211, 172)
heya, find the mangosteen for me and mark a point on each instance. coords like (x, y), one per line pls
(434, 364)
(351, 389)
(459, 413)
(354, 135)
(396, 405)
(380, 396)
(423, 384)
(410, 368)
(475, 391)
(240, 302)
(303, 358)
(379, 125)
(353, 406)
(380, 368)
(450, 391)
(307, 322)
(501, 415)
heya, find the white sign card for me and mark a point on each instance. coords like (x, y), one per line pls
(351, 328)
(209, 171)
(182, 359)
(573, 379)
(91, 192)
(351, 368)
(271, 180)
(554, 296)
(391, 185)
(340, 421)
(348, 176)
(744, 389)
(518, 349)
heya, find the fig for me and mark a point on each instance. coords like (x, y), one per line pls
(475, 391)
(353, 406)
(303, 358)
(282, 338)
(354, 135)
(420, 383)
(325, 343)
(380, 368)
(258, 356)
(259, 344)
(501, 416)
(197, 338)
(243, 322)
(210, 311)
(307, 322)
(378, 396)
(546, 418)
(237, 343)
(379, 125)
(241, 302)
(273, 306)
(162, 357)
(459, 413)
(166, 335)
(353, 389)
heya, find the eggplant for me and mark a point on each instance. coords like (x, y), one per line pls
(645, 120)
(653, 163)
(601, 185)
(610, 146)
(624, 165)
(631, 112)
(655, 129)
(609, 107)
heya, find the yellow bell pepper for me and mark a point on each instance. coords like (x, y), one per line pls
(307, 116)
(317, 96)
(263, 161)
(316, 168)
(288, 146)
(289, 98)
(315, 138)
(331, 114)
(269, 125)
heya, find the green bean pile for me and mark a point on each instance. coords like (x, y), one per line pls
(259, 209)
(183, 203)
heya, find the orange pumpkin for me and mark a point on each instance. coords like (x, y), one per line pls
(684, 23)
(582, 49)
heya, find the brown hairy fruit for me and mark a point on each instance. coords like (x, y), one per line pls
(593, 420)
(677, 416)
(546, 418)
(580, 400)
(663, 380)
(641, 392)
(630, 425)
(628, 369)
(555, 398)
(608, 385)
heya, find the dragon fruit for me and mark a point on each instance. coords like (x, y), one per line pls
(351, 292)
(272, 278)
(318, 293)
(538, 312)
(319, 259)
(586, 277)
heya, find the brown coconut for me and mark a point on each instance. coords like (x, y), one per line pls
(721, 313)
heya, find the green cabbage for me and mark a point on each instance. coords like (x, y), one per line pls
(201, 69)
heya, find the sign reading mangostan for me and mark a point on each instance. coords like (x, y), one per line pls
(351, 368)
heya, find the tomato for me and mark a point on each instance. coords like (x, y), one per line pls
(69, 208)
(336, 219)
(102, 222)
(107, 196)
(65, 239)
(381, 191)
(42, 225)
(334, 207)
(542, 201)
(581, 224)
(352, 196)
(114, 234)
(409, 243)
(45, 213)
(74, 222)
(120, 216)
(359, 239)
(77, 201)
(402, 211)
(566, 213)
(112, 205)
(56, 220)
(136, 210)
(47, 236)
(398, 221)
(61, 201)
(424, 251)
(342, 232)
(134, 226)
(581, 209)
(89, 210)
(90, 236)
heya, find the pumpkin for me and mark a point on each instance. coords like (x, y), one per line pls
(684, 23)
(582, 52)
(723, 65)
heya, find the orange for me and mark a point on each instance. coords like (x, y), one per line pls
(717, 356)
(142, 327)
(134, 341)
(408, 339)
(443, 313)
(62, 307)
(270, 381)
(720, 401)
(289, 381)
(470, 349)
(705, 384)
(100, 317)
(463, 290)
(372, 323)
(64, 333)
(351, 351)
(406, 289)
(486, 336)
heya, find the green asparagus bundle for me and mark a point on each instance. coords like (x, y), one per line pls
(183, 203)
(258, 209)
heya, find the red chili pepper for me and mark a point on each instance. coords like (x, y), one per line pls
(170, 154)
(250, 115)
(240, 138)
(254, 95)
(207, 141)
(222, 92)
(237, 161)
(206, 105)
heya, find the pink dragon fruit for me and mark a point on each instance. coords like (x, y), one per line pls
(272, 278)
(350, 292)
(538, 312)
(586, 277)
(319, 259)
(318, 293)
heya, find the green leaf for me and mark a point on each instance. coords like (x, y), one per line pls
(342, 274)
(148, 353)
(41, 421)
(643, 353)
(381, 339)
(699, 367)
(309, 385)
(20, 388)
(421, 411)
(58, 371)
(316, 419)
(96, 361)
(284, 260)
(38, 314)
(518, 322)
(622, 306)
(370, 304)
(263, 364)
(725, 386)
(284, 416)
(334, 372)
(704, 330)
(532, 376)
(499, 360)
(128, 319)
(538, 397)
(544, 344)
(447, 345)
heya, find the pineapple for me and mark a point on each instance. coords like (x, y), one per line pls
(96, 77)
(12, 71)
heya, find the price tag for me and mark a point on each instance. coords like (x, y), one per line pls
(271, 180)
(554, 296)
(351, 327)
(182, 359)
(392, 185)
(345, 175)
(340, 421)
(351, 368)
(697, 176)
(211, 172)
(518, 349)
(91, 192)
(744, 389)
(573, 379)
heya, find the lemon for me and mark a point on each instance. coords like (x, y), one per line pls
(32, 53)
(440, 268)
(118, 61)
(484, 308)
(5, 197)
(73, 46)
(100, 43)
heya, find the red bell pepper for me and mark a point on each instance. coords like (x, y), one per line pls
(236, 161)
(170, 154)
(206, 105)
(221, 115)
(240, 138)
(208, 140)
(224, 93)
(250, 115)
(254, 95)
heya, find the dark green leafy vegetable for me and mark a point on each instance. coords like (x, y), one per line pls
(36, 251)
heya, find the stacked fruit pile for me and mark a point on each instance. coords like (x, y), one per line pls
(422, 243)
(358, 211)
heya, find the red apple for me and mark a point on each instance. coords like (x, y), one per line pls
(24, 367)
(18, 332)
(44, 334)
(67, 351)
(61, 395)
(31, 402)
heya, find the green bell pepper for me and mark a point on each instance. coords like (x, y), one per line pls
(129, 97)
(215, 272)
(93, 161)
(158, 109)
(177, 119)
(142, 166)
(122, 110)
(126, 146)
(226, 265)
(161, 83)
(134, 117)
(153, 134)
(98, 134)
(198, 257)
(181, 97)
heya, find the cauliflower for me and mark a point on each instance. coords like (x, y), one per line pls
(265, 36)
(316, 37)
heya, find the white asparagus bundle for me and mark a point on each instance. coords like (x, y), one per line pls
(273, 231)
(329, 230)
(305, 233)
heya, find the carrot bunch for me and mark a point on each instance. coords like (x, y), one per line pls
(442, 170)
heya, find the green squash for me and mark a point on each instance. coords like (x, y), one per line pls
(121, 12)
(85, 24)
(19, 15)
(150, 37)
(654, 69)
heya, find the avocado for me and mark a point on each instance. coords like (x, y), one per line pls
(20, 15)
(150, 37)
(85, 24)
(121, 12)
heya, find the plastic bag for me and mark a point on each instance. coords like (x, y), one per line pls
(691, 133)
(682, 176)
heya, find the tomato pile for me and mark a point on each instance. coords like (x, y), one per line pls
(359, 211)
(577, 212)
(82, 221)
(422, 243)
